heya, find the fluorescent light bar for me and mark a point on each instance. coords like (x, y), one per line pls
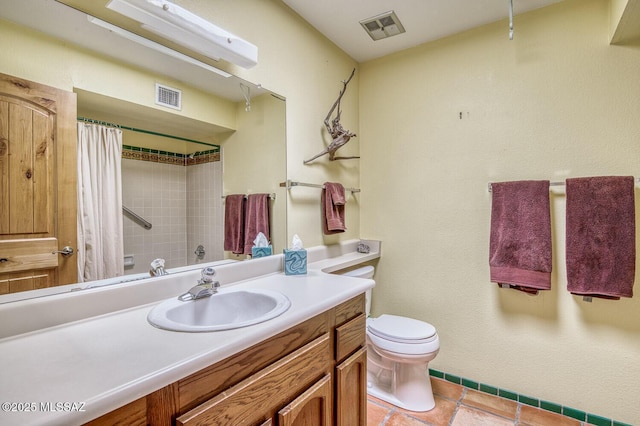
(155, 46)
(183, 27)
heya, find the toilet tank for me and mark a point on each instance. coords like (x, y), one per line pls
(363, 272)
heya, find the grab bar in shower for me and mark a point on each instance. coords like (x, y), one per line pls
(139, 220)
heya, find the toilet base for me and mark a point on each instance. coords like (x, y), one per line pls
(412, 386)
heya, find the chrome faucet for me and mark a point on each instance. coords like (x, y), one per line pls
(206, 286)
(157, 268)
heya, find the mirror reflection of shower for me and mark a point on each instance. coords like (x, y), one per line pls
(177, 186)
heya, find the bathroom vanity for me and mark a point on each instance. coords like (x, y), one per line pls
(300, 376)
(95, 351)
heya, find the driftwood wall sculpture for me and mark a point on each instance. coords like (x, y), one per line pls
(339, 135)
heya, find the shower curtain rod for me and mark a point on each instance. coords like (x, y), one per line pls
(636, 180)
(148, 132)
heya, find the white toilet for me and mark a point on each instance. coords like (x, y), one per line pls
(398, 353)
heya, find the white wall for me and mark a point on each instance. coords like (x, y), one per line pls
(556, 102)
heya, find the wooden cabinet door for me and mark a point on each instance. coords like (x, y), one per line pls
(351, 390)
(312, 408)
(38, 140)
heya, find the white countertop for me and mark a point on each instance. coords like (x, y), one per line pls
(98, 363)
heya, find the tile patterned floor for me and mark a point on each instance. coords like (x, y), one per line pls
(460, 406)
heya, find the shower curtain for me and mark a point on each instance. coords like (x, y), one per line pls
(100, 241)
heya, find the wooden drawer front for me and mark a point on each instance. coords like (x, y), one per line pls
(350, 309)
(203, 385)
(313, 408)
(266, 391)
(350, 337)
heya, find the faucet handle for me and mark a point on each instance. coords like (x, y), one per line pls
(207, 275)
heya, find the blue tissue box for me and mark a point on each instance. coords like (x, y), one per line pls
(295, 262)
(261, 251)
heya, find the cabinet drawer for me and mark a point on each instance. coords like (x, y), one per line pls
(253, 399)
(205, 384)
(350, 309)
(350, 337)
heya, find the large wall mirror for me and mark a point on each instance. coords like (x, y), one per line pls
(176, 169)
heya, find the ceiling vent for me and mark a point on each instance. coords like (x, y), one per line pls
(168, 96)
(382, 26)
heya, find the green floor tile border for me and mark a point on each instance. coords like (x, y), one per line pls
(527, 400)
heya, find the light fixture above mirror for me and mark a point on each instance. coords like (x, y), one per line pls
(187, 29)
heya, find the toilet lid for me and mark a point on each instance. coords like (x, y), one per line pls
(401, 329)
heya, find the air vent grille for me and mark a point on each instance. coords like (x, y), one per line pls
(168, 96)
(382, 26)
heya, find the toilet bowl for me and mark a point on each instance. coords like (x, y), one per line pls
(399, 350)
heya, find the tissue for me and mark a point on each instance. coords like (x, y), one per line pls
(295, 258)
(261, 246)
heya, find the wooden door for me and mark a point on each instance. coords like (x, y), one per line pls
(38, 139)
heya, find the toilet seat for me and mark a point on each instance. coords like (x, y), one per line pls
(403, 335)
(401, 329)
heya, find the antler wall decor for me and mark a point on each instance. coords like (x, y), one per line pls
(339, 135)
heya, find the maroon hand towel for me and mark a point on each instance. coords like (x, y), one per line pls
(256, 219)
(332, 202)
(601, 236)
(234, 223)
(520, 240)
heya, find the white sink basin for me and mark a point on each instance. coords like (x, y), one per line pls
(224, 310)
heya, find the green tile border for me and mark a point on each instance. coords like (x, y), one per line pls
(582, 416)
(488, 389)
(158, 156)
(576, 414)
(550, 406)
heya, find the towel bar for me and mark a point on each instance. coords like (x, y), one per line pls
(290, 184)
(637, 180)
(271, 196)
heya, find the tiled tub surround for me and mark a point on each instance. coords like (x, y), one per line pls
(181, 197)
(84, 332)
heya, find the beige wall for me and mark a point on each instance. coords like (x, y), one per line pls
(558, 101)
(295, 61)
(33, 56)
(254, 160)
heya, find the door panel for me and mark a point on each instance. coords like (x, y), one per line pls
(351, 390)
(38, 139)
(312, 408)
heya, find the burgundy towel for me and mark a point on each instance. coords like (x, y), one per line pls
(234, 223)
(332, 201)
(520, 241)
(256, 219)
(601, 236)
